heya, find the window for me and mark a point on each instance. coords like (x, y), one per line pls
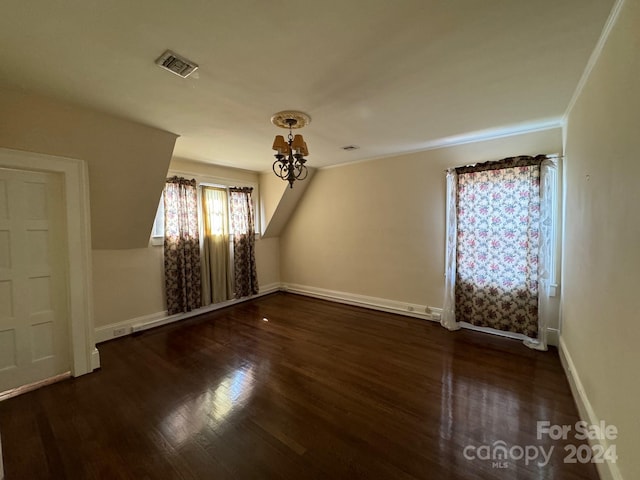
(214, 203)
(157, 232)
(216, 252)
(209, 254)
(500, 246)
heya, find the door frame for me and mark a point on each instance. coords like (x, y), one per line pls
(84, 354)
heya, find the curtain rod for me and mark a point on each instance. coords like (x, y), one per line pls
(551, 156)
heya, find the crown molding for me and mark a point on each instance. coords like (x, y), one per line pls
(465, 138)
(595, 55)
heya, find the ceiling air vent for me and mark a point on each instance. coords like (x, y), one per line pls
(176, 64)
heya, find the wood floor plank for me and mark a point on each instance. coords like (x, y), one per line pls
(318, 390)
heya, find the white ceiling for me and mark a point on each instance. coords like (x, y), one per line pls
(388, 76)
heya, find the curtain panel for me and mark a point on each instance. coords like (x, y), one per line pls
(546, 264)
(499, 246)
(243, 230)
(448, 319)
(181, 245)
(217, 285)
(497, 254)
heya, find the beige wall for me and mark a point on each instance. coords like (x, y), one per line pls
(127, 284)
(600, 318)
(279, 201)
(130, 283)
(127, 161)
(377, 228)
(268, 261)
(272, 189)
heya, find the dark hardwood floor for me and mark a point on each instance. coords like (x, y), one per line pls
(319, 391)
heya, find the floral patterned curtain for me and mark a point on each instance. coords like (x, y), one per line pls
(242, 228)
(493, 274)
(181, 245)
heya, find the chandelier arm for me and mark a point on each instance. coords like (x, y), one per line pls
(302, 169)
(283, 168)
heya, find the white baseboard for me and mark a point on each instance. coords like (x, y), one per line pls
(95, 359)
(607, 470)
(30, 387)
(145, 322)
(392, 306)
(552, 333)
(120, 329)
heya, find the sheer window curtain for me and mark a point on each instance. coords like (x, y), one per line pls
(546, 256)
(217, 275)
(535, 336)
(448, 319)
(243, 230)
(181, 245)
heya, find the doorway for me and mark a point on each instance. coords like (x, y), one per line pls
(34, 339)
(46, 324)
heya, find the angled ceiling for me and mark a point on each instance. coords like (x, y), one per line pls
(390, 77)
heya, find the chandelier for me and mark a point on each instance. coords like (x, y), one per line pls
(290, 161)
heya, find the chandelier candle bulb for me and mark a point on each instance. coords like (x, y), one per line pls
(298, 142)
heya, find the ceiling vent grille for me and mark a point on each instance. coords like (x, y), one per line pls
(176, 64)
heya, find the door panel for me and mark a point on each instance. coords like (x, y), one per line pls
(34, 331)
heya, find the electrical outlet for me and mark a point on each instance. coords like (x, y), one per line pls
(118, 332)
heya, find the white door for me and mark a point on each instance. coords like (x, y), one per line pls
(34, 329)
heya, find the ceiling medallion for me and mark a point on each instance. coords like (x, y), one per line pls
(283, 119)
(290, 161)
